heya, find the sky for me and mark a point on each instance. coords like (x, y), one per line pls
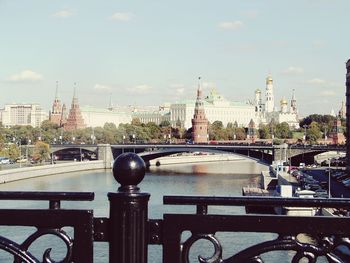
(140, 52)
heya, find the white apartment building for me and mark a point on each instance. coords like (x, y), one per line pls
(22, 114)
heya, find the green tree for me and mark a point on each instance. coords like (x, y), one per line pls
(263, 131)
(240, 134)
(217, 131)
(41, 151)
(282, 131)
(164, 123)
(136, 121)
(313, 133)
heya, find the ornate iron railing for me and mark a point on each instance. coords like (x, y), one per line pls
(129, 231)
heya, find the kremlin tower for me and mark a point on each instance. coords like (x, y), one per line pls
(293, 104)
(199, 121)
(75, 120)
(55, 115)
(270, 102)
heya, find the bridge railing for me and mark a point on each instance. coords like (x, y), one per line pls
(129, 231)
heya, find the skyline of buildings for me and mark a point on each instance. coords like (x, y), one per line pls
(261, 109)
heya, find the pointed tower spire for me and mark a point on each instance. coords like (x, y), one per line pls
(56, 93)
(199, 121)
(199, 90)
(110, 106)
(75, 120)
(74, 90)
(56, 110)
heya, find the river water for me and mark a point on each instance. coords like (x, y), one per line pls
(218, 178)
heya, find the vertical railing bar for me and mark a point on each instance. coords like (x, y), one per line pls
(54, 204)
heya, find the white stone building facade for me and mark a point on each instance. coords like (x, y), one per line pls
(97, 117)
(216, 108)
(22, 114)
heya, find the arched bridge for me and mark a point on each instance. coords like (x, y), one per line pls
(265, 153)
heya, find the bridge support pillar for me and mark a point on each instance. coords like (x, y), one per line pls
(104, 152)
(280, 152)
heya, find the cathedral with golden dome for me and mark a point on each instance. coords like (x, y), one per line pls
(266, 111)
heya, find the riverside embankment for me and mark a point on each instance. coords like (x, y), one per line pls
(16, 174)
(195, 159)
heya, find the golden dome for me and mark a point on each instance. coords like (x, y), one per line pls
(257, 91)
(283, 101)
(269, 80)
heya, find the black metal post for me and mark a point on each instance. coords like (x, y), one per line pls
(128, 212)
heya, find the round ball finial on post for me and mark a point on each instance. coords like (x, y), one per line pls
(129, 170)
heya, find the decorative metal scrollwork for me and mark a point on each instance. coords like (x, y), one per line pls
(21, 253)
(215, 258)
(310, 252)
(325, 247)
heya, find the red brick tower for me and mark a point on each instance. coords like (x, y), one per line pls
(199, 121)
(252, 135)
(63, 115)
(55, 114)
(75, 120)
(337, 133)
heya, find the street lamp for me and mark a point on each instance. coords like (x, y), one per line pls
(329, 177)
(123, 139)
(305, 126)
(134, 138)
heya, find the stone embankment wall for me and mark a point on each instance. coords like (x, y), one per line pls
(51, 169)
(194, 159)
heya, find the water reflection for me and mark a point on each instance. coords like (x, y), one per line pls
(212, 179)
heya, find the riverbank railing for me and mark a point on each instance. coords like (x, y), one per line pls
(129, 231)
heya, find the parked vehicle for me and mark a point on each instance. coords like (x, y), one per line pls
(336, 174)
(312, 187)
(4, 160)
(342, 177)
(321, 193)
(346, 181)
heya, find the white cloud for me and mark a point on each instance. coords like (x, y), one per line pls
(122, 17)
(231, 25)
(101, 87)
(140, 89)
(293, 70)
(63, 13)
(26, 75)
(327, 93)
(316, 81)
